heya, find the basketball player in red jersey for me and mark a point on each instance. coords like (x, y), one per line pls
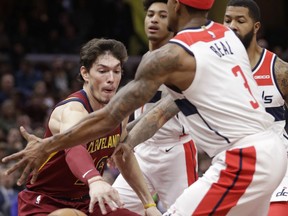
(271, 75)
(207, 71)
(66, 176)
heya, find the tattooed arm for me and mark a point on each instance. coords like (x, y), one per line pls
(131, 124)
(281, 73)
(150, 123)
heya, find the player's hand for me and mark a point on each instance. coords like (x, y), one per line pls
(29, 159)
(111, 163)
(152, 211)
(123, 148)
(102, 192)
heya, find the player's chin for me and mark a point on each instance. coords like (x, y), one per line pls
(105, 100)
(106, 97)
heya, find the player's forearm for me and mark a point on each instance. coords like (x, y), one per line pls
(152, 121)
(144, 129)
(133, 175)
(83, 169)
(130, 125)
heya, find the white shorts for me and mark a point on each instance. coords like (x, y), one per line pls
(239, 182)
(168, 169)
(281, 192)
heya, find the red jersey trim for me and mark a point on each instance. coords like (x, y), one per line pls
(263, 73)
(205, 34)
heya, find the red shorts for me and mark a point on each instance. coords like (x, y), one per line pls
(278, 209)
(35, 203)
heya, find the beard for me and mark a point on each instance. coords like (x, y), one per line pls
(246, 39)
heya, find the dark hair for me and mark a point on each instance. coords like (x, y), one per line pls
(148, 3)
(96, 47)
(252, 6)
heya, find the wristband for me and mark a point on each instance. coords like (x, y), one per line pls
(146, 206)
(97, 178)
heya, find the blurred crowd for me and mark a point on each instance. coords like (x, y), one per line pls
(30, 87)
(39, 45)
(61, 26)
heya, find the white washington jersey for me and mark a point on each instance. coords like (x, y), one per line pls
(223, 104)
(172, 130)
(264, 75)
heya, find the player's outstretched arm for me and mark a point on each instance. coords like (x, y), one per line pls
(148, 125)
(131, 124)
(132, 173)
(152, 121)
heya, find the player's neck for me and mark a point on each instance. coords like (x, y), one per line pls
(254, 53)
(193, 22)
(153, 45)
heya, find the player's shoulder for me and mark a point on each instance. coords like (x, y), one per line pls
(281, 66)
(281, 75)
(165, 58)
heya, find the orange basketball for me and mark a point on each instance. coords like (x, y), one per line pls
(67, 212)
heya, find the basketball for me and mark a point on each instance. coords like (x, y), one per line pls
(67, 212)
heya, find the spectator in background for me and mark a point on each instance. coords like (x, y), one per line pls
(24, 120)
(70, 42)
(39, 104)
(121, 25)
(8, 115)
(21, 42)
(60, 76)
(262, 42)
(36, 109)
(3, 147)
(26, 77)
(7, 87)
(5, 42)
(14, 140)
(8, 194)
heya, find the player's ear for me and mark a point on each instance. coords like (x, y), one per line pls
(84, 73)
(176, 5)
(257, 26)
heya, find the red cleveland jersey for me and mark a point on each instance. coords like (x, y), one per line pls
(55, 177)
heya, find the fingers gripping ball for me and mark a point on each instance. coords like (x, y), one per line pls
(67, 212)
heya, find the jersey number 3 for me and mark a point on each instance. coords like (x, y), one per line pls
(236, 70)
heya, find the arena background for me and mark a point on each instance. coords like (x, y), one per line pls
(39, 46)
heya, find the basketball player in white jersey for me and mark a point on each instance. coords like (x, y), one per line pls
(207, 71)
(168, 159)
(271, 75)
